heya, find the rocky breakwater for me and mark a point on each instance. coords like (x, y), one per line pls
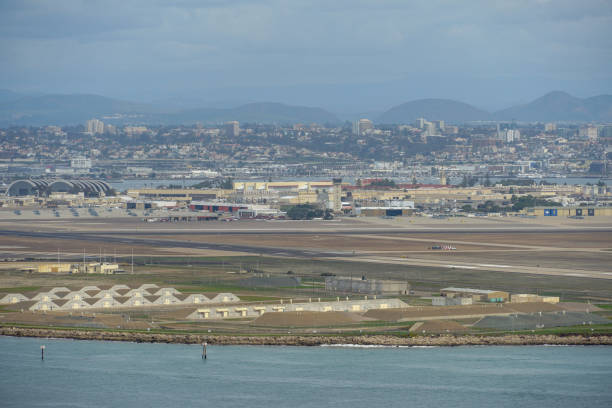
(292, 340)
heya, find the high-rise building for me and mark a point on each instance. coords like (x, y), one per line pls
(232, 128)
(605, 132)
(430, 129)
(337, 195)
(362, 126)
(109, 129)
(512, 135)
(550, 127)
(588, 132)
(439, 124)
(94, 126)
(80, 162)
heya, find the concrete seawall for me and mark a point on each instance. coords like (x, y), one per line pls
(290, 340)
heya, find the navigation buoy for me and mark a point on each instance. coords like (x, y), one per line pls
(42, 352)
(204, 350)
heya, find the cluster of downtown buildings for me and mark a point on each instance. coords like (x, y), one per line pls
(359, 168)
(361, 148)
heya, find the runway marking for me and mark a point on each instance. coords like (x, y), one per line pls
(495, 266)
(461, 267)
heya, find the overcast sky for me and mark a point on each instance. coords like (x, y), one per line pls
(339, 54)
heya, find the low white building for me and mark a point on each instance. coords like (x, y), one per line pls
(12, 298)
(356, 306)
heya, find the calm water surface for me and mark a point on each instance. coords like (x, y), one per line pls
(107, 374)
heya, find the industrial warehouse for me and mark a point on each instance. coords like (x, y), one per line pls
(364, 285)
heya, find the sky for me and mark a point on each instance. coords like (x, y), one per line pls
(343, 55)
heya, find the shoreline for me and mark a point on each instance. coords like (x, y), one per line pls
(446, 340)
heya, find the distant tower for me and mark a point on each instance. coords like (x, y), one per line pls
(337, 195)
(442, 177)
(94, 126)
(232, 128)
(361, 126)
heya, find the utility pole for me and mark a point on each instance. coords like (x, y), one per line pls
(132, 261)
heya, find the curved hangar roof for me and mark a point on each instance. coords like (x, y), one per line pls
(30, 187)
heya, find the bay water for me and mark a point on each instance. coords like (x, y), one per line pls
(120, 374)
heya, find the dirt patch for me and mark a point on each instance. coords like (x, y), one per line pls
(579, 307)
(307, 319)
(67, 319)
(438, 326)
(535, 307)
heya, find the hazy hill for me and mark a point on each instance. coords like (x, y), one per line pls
(20, 109)
(560, 106)
(277, 112)
(433, 109)
(7, 95)
(64, 109)
(555, 106)
(263, 112)
(74, 109)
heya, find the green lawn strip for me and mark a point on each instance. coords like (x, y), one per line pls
(215, 332)
(607, 306)
(213, 288)
(563, 330)
(378, 323)
(572, 330)
(20, 289)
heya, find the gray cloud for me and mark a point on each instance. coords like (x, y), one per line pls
(153, 48)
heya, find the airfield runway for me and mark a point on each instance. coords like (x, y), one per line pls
(577, 248)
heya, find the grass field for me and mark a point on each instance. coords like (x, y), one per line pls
(220, 274)
(19, 289)
(177, 255)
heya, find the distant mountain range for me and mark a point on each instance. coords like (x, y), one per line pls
(259, 112)
(20, 109)
(561, 106)
(553, 107)
(17, 109)
(434, 109)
